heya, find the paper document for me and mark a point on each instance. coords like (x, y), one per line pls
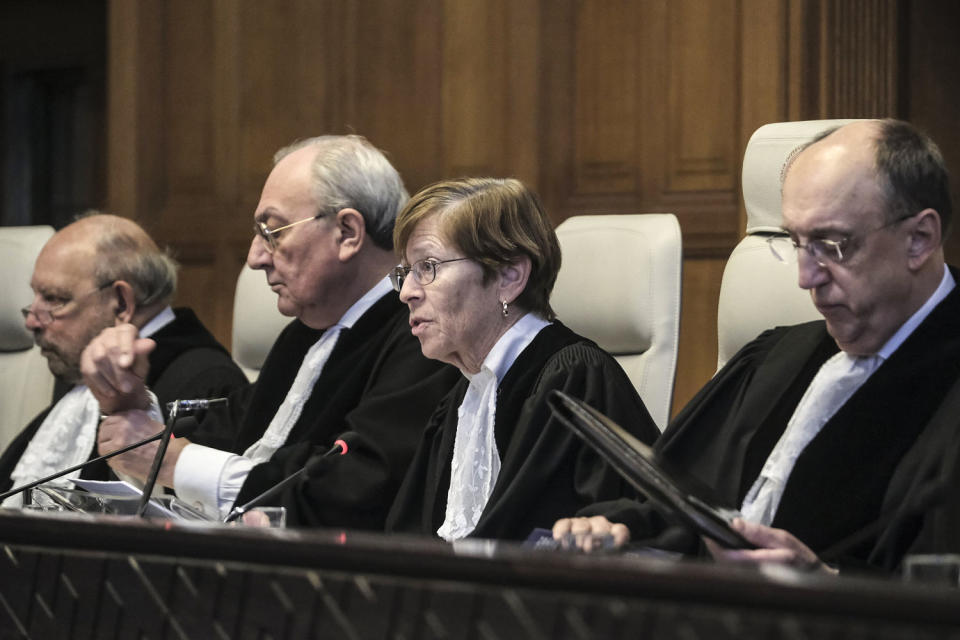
(122, 490)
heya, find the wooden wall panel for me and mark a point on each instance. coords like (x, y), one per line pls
(641, 113)
(608, 75)
(475, 116)
(390, 92)
(189, 67)
(613, 106)
(282, 90)
(697, 359)
(703, 97)
(860, 57)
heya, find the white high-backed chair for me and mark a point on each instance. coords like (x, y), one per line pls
(256, 321)
(619, 285)
(757, 292)
(26, 384)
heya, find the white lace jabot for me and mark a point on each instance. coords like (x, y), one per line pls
(310, 369)
(69, 432)
(476, 461)
(65, 438)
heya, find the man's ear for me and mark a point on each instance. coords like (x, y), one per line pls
(124, 301)
(351, 233)
(924, 238)
(513, 278)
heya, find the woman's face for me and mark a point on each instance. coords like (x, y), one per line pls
(456, 317)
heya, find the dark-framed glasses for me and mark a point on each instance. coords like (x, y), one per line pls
(45, 315)
(824, 251)
(424, 271)
(269, 236)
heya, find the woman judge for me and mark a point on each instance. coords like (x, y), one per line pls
(479, 260)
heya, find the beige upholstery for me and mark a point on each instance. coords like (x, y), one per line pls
(619, 285)
(26, 384)
(256, 321)
(758, 292)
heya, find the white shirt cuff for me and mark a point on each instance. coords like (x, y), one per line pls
(209, 480)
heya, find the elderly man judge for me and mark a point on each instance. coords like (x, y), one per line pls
(97, 272)
(834, 433)
(323, 237)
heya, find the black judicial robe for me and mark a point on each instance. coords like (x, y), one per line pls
(878, 453)
(187, 362)
(546, 471)
(376, 384)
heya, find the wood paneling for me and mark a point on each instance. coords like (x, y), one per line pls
(614, 106)
(860, 58)
(703, 98)
(697, 360)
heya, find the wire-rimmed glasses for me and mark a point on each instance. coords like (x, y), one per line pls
(823, 250)
(269, 236)
(46, 315)
(424, 271)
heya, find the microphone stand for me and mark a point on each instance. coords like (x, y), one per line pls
(158, 459)
(54, 476)
(341, 446)
(173, 411)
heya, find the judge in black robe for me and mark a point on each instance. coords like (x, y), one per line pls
(375, 384)
(882, 453)
(323, 238)
(867, 207)
(494, 462)
(187, 362)
(546, 470)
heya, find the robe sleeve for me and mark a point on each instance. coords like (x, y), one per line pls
(695, 429)
(234, 427)
(547, 471)
(924, 493)
(357, 489)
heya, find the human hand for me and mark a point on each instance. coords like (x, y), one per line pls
(774, 546)
(589, 534)
(129, 427)
(114, 365)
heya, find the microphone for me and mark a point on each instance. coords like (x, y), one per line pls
(924, 499)
(192, 406)
(174, 410)
(310, 469)
(187, 429)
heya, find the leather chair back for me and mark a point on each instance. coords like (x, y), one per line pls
(757, 291)
(26, 384)
(619, 285)
(256, 321)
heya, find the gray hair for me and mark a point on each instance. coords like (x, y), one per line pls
(349, 172)
(125, 252)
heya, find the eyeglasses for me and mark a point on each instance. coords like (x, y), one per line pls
(46, 315)
(269, 236)
(424, 271)
(823, 250)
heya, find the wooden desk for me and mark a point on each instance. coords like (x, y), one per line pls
(110, 577)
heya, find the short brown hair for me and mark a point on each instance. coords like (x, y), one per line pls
(492, 221)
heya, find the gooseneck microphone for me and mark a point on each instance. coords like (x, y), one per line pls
(311, 468)
(179, 433)
(191, 406)
(175, 409)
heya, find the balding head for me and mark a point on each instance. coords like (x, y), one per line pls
(125, 252)
(871, 258)
(908, 165)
